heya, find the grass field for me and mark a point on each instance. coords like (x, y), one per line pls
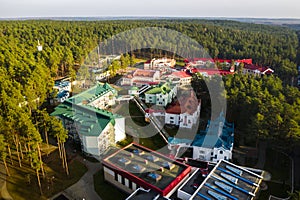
(22, 184)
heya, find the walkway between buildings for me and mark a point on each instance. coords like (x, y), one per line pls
(261, 154)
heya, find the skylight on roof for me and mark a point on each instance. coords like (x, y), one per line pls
(138, 168)
(224, 186)
(234, 170)
(168, 165)
(229, 178)
(138, 152)
(154, 176)
(124, 161)
(152, 158)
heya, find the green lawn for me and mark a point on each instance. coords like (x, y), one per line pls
(136, 125)
(105, 190)
(18, 183)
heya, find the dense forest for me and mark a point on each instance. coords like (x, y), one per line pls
(266, 107)
(261, 108)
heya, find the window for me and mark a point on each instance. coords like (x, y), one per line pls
(212, 153)
(221, 152)
(120, 178)
(171, 117)
(130, 185)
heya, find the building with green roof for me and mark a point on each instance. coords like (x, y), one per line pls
(162, 94)
(85, 117)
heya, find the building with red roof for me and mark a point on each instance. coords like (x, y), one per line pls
(136, 166)
(184, 112)
(257, 70)
(182, 76)
(141, 76)
(211, 72)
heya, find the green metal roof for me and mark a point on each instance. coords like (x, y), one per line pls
(92, 93)
(91, 120)
(134, 88)
(166, 87)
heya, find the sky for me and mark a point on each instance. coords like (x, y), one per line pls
(164, 8)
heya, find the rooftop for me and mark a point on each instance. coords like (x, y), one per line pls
(211, 72)
(185, 104)
(262, 69)
(164, 88)
(144, 73)
(228, 180)
(91, 121)
(91, 94)
(218, 133)
(148, 168)
(181, 74)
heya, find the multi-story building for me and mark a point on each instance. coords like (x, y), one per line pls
(160, 64)
(182, 77)
(257, 70)
(161, 95)
(84, 117)
(213, 144)
(141, 77)
(184, 112)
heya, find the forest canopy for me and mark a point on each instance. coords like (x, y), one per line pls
(27, 75)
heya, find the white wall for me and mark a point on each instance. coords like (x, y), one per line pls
(150, 98)
(90, 145)
(172, 119)
(209, 154)
(120, 129)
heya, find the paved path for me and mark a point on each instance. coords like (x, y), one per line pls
(3, 190)
(261, 154)
(84, 188)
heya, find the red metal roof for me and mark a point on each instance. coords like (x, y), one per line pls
(263, 70)
(181, 74)
(185, 104)
(211, 72)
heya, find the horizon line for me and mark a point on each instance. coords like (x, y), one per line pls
(153, 16)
